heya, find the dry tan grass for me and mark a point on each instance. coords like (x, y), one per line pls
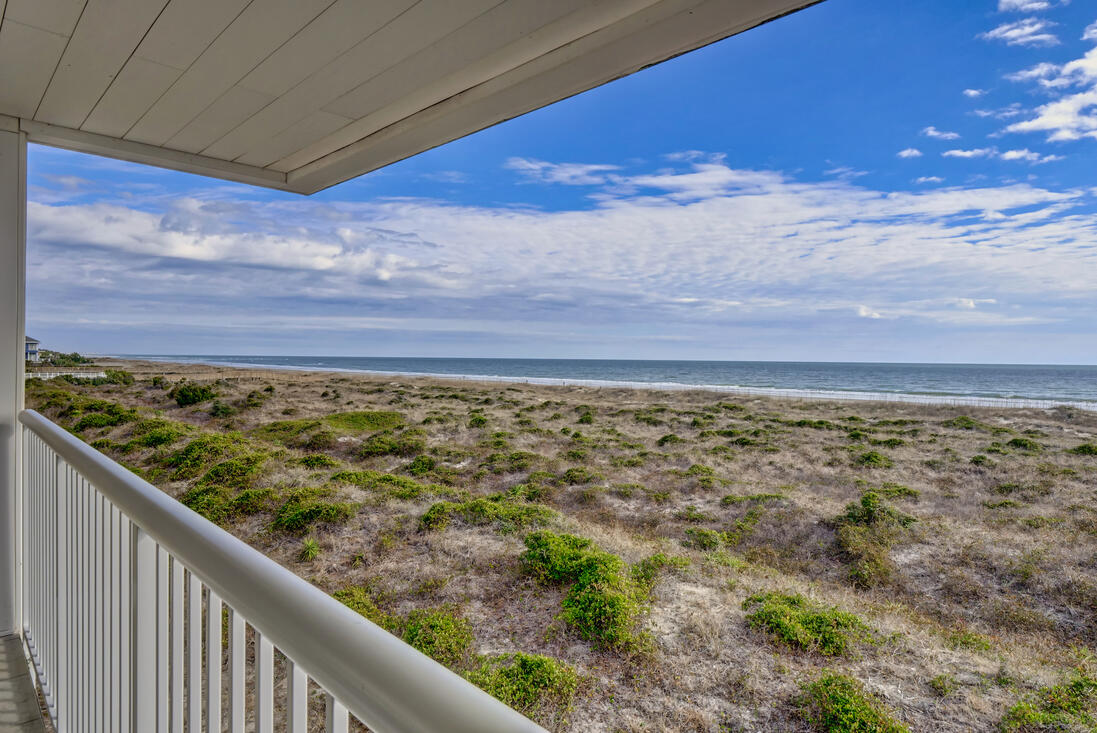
(1022, 576)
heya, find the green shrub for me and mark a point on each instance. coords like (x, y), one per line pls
(235, 473)
(512, 462)
(703, 539)
(305, 507)
(981, 460)
(407, 443)
(200, 452)
(285, 431)
(476, 420)
(801, 624)
(693, 514)
(421, 466)
(963, 422)
(587, 418)
(1069, 706)
(109, 416)
(669, 439)
(191, 394)
(499, 509)
(646, 572)
(316, 460)
(1085, 449)
(604, 603)
(532, 684)
(835, 703)
(580, 475)
(365, 421)
(398, 487)
(865, 534)
(872, 459)
(943, 684)
(732, 499)
(358, 599)
(440, 634)
(1025, 444)
(156, 433)
(220, 409)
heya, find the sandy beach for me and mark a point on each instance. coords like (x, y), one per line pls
(947, 553)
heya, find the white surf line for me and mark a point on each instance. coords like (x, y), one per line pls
(789, 394)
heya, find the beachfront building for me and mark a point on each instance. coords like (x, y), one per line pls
(30, 349)
(104, 580)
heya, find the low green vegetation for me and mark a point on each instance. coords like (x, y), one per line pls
(873, 459)
(406, 443)
(391, 485)
(799, 623)
(501, 510)
(304, 508)
(200, 452)
(1069, 706)
(191, 394)
(865, 534)
(440, 634)
(604, 603)
(364, 421)
(529, 683)
(837, 703)
(1085, 449)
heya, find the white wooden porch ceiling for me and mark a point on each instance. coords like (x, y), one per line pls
(303, 94)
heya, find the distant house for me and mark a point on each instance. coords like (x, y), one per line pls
(32, 349)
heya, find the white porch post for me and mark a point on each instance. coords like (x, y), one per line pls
(13, 233)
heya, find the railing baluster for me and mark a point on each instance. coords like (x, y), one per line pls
(145, 626)
(213, 662)
(126, 674)
(194, 653)
(264, 684)
(85, 609)
(114, 720)
(176, 646)
(163, 678)
(297, 698)
(237, 694)
(337, 720)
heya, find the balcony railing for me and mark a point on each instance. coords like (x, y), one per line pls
(139, 615)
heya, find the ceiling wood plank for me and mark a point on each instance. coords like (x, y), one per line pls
(420, 26)
(104, 39)
(137, 86)
(332, 33)
(179, 36)
(185, 30)
(34, 53)
(230, 109)
(55, 16)
(388, 98)
(317, 125)
(251, 37)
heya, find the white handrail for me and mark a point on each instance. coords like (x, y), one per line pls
(378, 678)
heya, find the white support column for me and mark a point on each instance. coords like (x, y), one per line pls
(13, 235)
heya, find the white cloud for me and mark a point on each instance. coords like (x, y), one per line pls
(910, 153)
(569, 174)
(1029, 156)
(929, 179)
(1022, 6)
(694, 251)
(936, 134)
(1042, 70)
(1090, 33)
(1027, 32)
(1070, 118)
(1004, 113)
(973, 153)
(974, 93)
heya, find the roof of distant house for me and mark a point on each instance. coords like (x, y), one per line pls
(32, 340)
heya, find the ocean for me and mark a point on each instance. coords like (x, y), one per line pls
(974, 384)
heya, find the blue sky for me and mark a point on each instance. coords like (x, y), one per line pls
(860, 181)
